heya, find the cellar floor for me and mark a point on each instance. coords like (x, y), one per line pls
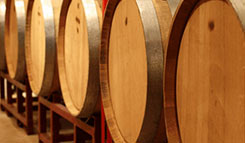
(11, 133)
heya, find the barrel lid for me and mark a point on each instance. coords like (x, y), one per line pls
(131, 70)
(213, 13)
(78, 55)
(3, 66)
(41, 33)
(15, 38)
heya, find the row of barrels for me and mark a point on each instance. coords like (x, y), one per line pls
(164, 76)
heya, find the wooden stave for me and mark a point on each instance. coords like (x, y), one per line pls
(50, 82)
(165, 18)
(20, 73)
(3, 66)
(104, 79)
(173, 4)
(91, 102)
(180, 20)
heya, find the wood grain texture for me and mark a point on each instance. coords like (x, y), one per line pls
(131, 68)
(41, 41)
(163, 10)
(78, 55)
(56, 10)
(204, 87)
(173, 5)
(15, 37)
(128, 69)
(3, 66)
(164, 19)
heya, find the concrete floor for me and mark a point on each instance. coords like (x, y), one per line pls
(11, 133)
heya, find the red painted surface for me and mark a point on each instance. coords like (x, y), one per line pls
(109, 139)
(104, 3)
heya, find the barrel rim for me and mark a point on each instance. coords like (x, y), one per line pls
(20, 71)
(154, 54)
(3, 66)
(179, 23)
(50, 47)
(93, 28)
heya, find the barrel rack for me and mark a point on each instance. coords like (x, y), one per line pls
(23, 111)
(82, 130)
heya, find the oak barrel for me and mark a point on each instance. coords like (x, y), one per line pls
(3, 66)
(204, 73)
(78, 55)
(134, 40)
(15, 21)
(41, 40)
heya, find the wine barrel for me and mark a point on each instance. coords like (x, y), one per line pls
(15, 20)
(173, 4)
(204, 75)
(2, 23)
(41, 40)
(78, 55)
(134, 40)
